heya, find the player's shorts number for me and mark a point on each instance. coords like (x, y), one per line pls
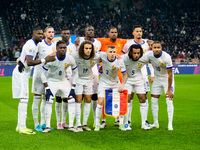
(158, 68)
(85, 70)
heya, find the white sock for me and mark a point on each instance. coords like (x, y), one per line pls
(130, 112)
(170, 110)
(58, 110)
(48, 112)
(98, 114)
(86, 113)
(154, 108)
(35, 107)
(94, 106)
(64, 111)
(126, 117)
(147, 109)
(42, 110)
(71, 110)
(22, 113)
(121, 120)
(143, 112)
(78, 114)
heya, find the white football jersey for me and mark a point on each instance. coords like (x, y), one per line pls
(85, 66)
(71, 48)
(95, 42)
(29, 49)
(110, 69)
(160, 64)
(57, 69)
(133, 69)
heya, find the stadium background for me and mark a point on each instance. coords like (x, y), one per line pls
(175, 23)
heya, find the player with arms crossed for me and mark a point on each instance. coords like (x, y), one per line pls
(164, 79)
(85, 58)
(45, 48)
(109, 79)
(55, 81)
(21, 75)
(145, 44)
(135, 82)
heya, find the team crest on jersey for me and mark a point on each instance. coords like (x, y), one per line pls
(91, 63)
(35, 89)
(70, 51)
(139, 65)
(30, 50)
(96, 48)
(53, 49)
(66, 65)
(144, 50)
(113, 67)
(26, 94)
(160, 63)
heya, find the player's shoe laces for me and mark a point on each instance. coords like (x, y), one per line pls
(59, 127)
(154, 125)
(146, 126)
(127, 127)
(103, 125)
(39, 128)
(46, 130)
(72, 129)
(97, 128)
(26, 131)
(85, 127)
(122, 128)
(79, 128)
(64, 125)
(116, 123)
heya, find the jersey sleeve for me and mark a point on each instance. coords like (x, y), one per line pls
(73, 63)
(30, 50)
(122, 66)
(168, 62)
(125, 48)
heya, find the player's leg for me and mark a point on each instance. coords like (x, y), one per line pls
(131, 107)
(127, 126)
(64, 112)
(94, 105)
(58, 111)
(99, 112)
(42, 112)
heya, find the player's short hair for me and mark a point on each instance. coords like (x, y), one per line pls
(156, 42)
(111, 46)
(37, 28)
(81, 49)
(45, 30)
(88, 27)
(112, 27)
(135, 46)
(137, 26)
(65, 28)
(60, 42)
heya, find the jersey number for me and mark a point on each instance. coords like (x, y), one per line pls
(158, 68)
(133, 72)
(107, 71)
(85, 70)
(60, 73)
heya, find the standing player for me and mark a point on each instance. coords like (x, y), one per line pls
(118, 43)
(109, 79)
(55, 81)
(65, 35)
(21, 74)
(85, 58)
(45, 48)
(135, 82)
(164, 79)
(89, 35)
(145, 44)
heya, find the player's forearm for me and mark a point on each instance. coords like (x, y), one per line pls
(124, 78)
(169, 78)
(75, 76)
(151, 69)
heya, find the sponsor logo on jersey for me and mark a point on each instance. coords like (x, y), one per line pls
(35, 89)
(160, 63)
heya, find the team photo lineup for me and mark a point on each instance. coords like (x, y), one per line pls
(68, 74)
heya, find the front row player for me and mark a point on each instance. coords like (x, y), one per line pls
(55, 81)
(162, 64)
(109, 79)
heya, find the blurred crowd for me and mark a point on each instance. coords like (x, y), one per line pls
(175, 23)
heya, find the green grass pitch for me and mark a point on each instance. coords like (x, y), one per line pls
(186, 133)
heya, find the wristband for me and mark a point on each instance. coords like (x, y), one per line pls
(43, 61)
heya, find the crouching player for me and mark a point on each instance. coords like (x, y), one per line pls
(162, 64)
(109, 79)
(135, 82)
(55, 81)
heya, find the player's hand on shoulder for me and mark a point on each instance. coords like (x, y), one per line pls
(53, 53)
(50, 58)
(48, 93)
(101, 70)
(118, 56)
(21, 66)
(77, 41)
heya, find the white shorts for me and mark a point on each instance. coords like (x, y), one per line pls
(61, 89)
(135, 88)
(37, 85)
(159, 84)
(20, 84)
(84, 87)
(103, 86)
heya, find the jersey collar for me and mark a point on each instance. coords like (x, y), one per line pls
(139, 43)
(158, 56)
(113, 60)
(47, 43)
(58, 58)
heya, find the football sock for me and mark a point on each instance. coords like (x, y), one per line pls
(130, 111)
(170, 110)
(147, 109)
(121, 120)
(98, 114)
(78, 114)
(64, 111)
(154, 108)
(126, 117)
(35, 106)
(48, 112)
(58, 109)
(71, 110)
(86, 113)
(22, 113)
(42, 110)
(94, 105)
(143, 112)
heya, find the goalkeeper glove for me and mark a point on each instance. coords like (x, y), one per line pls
(48, 93)
(21, 67)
